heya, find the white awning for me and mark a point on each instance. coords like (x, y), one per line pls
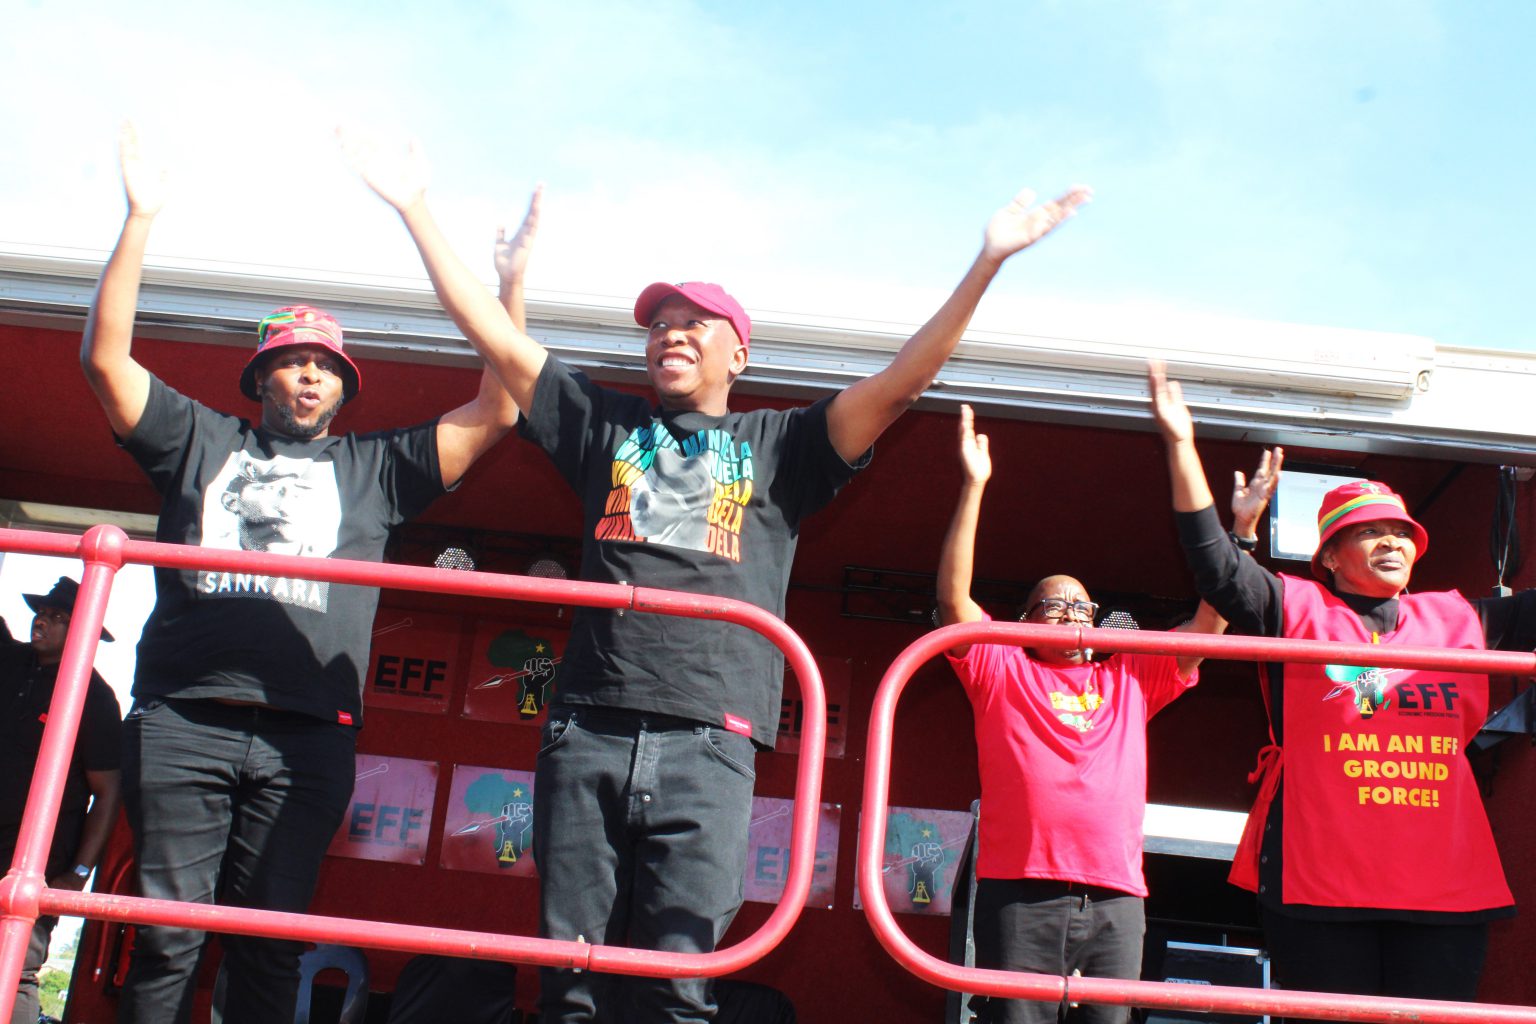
(1268, 383)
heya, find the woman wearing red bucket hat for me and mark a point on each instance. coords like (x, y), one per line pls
(1364, 763)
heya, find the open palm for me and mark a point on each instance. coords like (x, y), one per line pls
(398, 173)
(1250, 496)
(975, 449)
(1168, 408)
(512, 253)
(1021, 224)
(146, 181)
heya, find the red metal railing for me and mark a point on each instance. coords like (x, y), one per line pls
(1198, 998)
(24, 894)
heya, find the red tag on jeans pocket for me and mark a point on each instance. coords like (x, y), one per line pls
(741, 726)
(344, 717)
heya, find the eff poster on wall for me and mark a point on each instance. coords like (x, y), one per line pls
(922, 847)
(836, 674)
(414, 661)
(768, 852)
(512, 672)
(390, 815)
(488, 824)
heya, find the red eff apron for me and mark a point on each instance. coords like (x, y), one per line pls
(1381, 810)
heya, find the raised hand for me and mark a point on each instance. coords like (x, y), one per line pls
(512, 254)
(1251, 496)
(1020, 224)
(145, 180)
(975, 452)
(398, 173)
(1168, 407)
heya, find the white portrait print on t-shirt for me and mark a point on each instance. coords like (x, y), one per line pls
(280, 506)
(669, 503)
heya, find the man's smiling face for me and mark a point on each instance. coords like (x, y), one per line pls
(692, 356)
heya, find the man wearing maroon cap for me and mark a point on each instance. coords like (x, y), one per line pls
(238, 752)
(645, 778)
(1364, 764)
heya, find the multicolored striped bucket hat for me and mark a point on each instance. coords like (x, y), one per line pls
(1361, 501)
(299, 325)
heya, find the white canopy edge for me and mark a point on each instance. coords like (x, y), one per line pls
(1316, 387)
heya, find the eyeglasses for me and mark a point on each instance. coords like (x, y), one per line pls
(1059, 608)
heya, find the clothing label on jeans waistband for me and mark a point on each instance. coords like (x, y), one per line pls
(738, 725)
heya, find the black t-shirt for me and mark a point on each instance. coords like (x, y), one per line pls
(295, 644)
(26, 688)
(683, 501)
(1250, 597)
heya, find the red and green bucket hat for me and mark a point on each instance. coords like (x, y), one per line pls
(299, 325)
(1361, 501)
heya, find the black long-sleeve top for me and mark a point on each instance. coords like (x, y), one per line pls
(1249, 597)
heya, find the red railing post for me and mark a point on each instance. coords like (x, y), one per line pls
(1194, 998)
(102, 550)
(24, 895)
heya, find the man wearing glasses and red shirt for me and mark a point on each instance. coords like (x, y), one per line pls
(1062, 747)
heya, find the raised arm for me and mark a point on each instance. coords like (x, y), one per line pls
(959, 552)
(106, 349)
(1191, 493)
(1250, 495)
(470, 430)
(1239, 589)
(400, 179)
(512, 261)
(860, 414)
(1206, 620)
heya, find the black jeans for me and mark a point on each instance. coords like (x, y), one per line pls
(1376, 958)
(1042, 926)
(640, 833)
(234, 805)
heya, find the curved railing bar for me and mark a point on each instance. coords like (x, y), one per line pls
(1150, 994)
(104, 549)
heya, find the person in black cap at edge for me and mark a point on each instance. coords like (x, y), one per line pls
(92, 789)
(239, 751)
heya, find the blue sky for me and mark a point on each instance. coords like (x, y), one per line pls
(1359, 165)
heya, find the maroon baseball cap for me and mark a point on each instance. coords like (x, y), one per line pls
(1361, 501)
(299, 325)
(701, 293)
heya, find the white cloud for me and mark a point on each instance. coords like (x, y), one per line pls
(1275, 162)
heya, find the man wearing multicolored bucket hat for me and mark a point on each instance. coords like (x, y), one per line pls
(1365, 765)
(238, 752)
(656, 722)
(92, 784)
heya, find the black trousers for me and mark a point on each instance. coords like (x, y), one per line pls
(1042, 926)
(234, 805)
(640, 833)
(1376, 958)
